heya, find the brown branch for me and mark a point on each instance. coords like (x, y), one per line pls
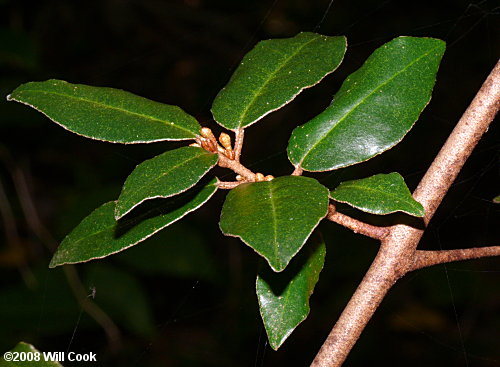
(238, 143)
(397, 251)
(236, 166)
(424, 259)
(355, 225)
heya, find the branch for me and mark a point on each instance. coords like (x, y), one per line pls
(228, 185)
(424, 259)
(397, 252)
(355, 225)
(236, 166)
(297, 171)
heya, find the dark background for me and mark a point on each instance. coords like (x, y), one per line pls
(186, 297)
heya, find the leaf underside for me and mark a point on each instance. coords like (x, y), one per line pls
(275, 218)
(163, 176)
(100, 235)
(273, 73)
(379, 194)
(106, 114)
(284, 297)
(373, 110)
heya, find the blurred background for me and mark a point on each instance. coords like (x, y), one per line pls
(186, 297)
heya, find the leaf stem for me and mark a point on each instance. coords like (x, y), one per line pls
(297, 171)
(238, 143)
(228, 185)
(397, 253)
(355, 225)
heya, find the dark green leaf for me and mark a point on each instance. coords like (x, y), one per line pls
(163, 176)
(273, 73)
(105, 113)
(373, 110)
(379, 194)
(284, 297)
(100, 235)
(28, 350)
(275, 218)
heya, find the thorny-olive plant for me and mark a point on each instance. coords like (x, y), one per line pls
(372, 111)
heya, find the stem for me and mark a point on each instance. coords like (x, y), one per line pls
(297, 171)
(238, 143)
(236, 166)
(355, 225)
(228, 185)
(424, 259)
(397, 252)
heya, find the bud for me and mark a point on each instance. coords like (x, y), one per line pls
(239, 178)
(207, 133)
(225, 140)
(259, 177)
(221, 149)
(269, 177)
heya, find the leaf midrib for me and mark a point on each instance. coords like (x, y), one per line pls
(258, 92)
(275, 223)
(361, 101)
(89, 101)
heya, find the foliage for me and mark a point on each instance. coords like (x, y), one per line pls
(373, 110)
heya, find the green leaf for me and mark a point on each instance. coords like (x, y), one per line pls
(100, 235)
(284, 297)
(163, 176)
(373, 110)
(379, 194)
(273, 73)
(276, 217)
(496, 199)
(106, 114)
(27, 350)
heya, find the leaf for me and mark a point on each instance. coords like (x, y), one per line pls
(27, 350)
(379, 194)
(105, 113)
(273, 74)
(100, 235)
(163, 176)
(276, 217)
(374, 109)
(284, 297)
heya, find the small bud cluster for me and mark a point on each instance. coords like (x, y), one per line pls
(208, 142)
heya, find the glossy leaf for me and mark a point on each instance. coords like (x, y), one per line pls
(276, 217)
(379, 194)
(273, 73)
(163, 176)
(284, 297)
(100, 235)
(28, 351)
(105, 113)
(373, 110)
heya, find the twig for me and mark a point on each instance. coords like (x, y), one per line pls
(238, 143)
(236, 166)
(355, 225)
(397, 252)
(424, 259)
